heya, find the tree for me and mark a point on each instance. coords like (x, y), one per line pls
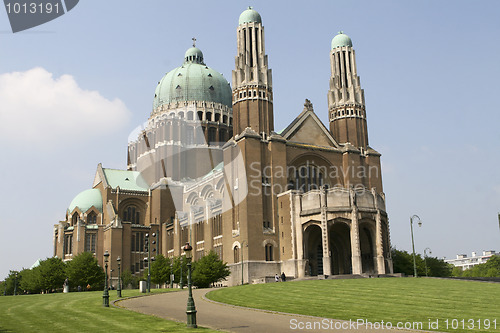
(208, 270)
(438, 267)
(30, 281)
(457, 271)
(84, 270)
(491, 268)
(402, 262)
(176, 270)
(160, 270)
(13, 279)
(51, 273)
(128, 279)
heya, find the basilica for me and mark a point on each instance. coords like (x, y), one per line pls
(209, 168)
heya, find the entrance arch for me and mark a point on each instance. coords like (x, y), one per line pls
(340, 247)
(366, 241)
(313, 250)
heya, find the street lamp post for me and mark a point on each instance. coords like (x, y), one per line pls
(148, 281)
(111, 278)
(243, 242)
(153, 242)
(181, 284)
(425, 259)
(171, 273)
(105, 294)
(413, 243)
(15, 284)
(191, 308)
(119, 287)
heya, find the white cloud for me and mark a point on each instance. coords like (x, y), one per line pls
(37, 108)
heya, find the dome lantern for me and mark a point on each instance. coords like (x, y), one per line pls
(341, 40)
(194, 55)
(250, 16)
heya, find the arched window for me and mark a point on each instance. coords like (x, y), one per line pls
(189, 135)
(222, 135)
(190, 115)
(74, 219)
(131, 214)
(92, 218)
(236, 252)
(212, 133)
(308, 177)
(269, 252)
(200, 115)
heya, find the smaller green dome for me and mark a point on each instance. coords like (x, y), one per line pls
(194, 54)
(249, 16)
(341, 40)
(86, 199)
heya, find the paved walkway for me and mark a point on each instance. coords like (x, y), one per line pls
(230, 318)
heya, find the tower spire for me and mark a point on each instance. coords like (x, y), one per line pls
(252, 79)
(346, 100)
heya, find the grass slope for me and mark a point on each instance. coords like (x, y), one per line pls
(77, 312)
(404, 300)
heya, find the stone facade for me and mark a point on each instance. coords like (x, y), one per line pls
(306, 201)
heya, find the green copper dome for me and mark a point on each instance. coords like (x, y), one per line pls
(86, 199)
(249, 16)
(341, 40)
(193, 81)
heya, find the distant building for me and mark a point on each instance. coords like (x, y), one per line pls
(468, 262)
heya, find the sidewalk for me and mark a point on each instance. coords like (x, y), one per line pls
(230, 318)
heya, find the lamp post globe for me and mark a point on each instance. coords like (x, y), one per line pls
(119, 286)
(413, 242)
(105, 294)
(191, 308)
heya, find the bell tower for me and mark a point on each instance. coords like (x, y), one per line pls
(346, 99)
(252, 79)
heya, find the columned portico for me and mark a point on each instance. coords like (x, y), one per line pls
(327, 268)
(341, 231)
(379, 245)
(355, 247)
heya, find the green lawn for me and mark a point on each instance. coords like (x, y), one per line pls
(394, 300)
(77, 312)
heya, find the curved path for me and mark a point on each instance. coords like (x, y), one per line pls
(231, 318)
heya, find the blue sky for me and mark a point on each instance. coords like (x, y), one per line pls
(429, 69)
